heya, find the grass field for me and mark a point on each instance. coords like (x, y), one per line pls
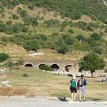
(39, 83)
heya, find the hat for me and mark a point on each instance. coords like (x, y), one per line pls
(74, 77)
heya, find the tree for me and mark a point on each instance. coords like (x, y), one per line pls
(62, 47)
(91, 62)
(3, 57)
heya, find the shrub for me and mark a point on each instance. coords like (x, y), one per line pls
(31, 45)
(96, 36)
(98, 50)
(80, 37)
(62, 47)
(52, 22)
(68, 39)
(3, 57)
(82, 25)
(25, 75)
(45, 67)
(14, 16)
(70, 31)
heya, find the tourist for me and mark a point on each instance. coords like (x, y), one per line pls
(73, 88)
(81, 87)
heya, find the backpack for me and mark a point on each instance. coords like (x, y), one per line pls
(73, 84)
(82, 83)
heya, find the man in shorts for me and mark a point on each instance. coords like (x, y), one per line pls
(81, 87)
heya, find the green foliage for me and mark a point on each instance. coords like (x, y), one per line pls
(15, 28)
(14, 16)
(82, 25)
(69, 8)
(52, 22)
(31, 45)
(62, 48)
(98, 50)
(25, 75)
(68, 39)
(9, 22)
(23, 13)
(26, 34)
(45, 67)
(91, 62)
(91, 26)
(80, 38)
(95, 36)
(70, 31)
(30, 21)
(40, 37)
(3, 57)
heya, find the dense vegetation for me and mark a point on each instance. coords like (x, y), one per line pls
(91, 62)
(63, 36)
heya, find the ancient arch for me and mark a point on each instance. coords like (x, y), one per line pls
(54, 67)
(68, 68)
(28, 65)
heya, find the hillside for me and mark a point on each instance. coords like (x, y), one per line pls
(66, 27)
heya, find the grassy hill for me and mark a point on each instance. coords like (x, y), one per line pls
(67, 27)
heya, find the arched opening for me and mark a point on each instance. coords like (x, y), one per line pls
(28, 65)
(54, 67)
(68, 68)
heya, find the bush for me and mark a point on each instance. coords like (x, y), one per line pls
(31, 45)
(52, 22)
(98, 50)
(80, 37)
(3, 57)
(70, 31)
(25, 75)
(82, 25)
(30, 21)
(14, 16)
(40, 37)
(62, 47)
(68, 39)
(45, 67)
(96, 36)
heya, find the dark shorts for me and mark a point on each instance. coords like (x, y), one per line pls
(73, 90)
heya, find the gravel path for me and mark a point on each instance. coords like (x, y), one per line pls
(20, 101)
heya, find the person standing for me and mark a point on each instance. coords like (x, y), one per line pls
(73, 88)
(81, 87)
